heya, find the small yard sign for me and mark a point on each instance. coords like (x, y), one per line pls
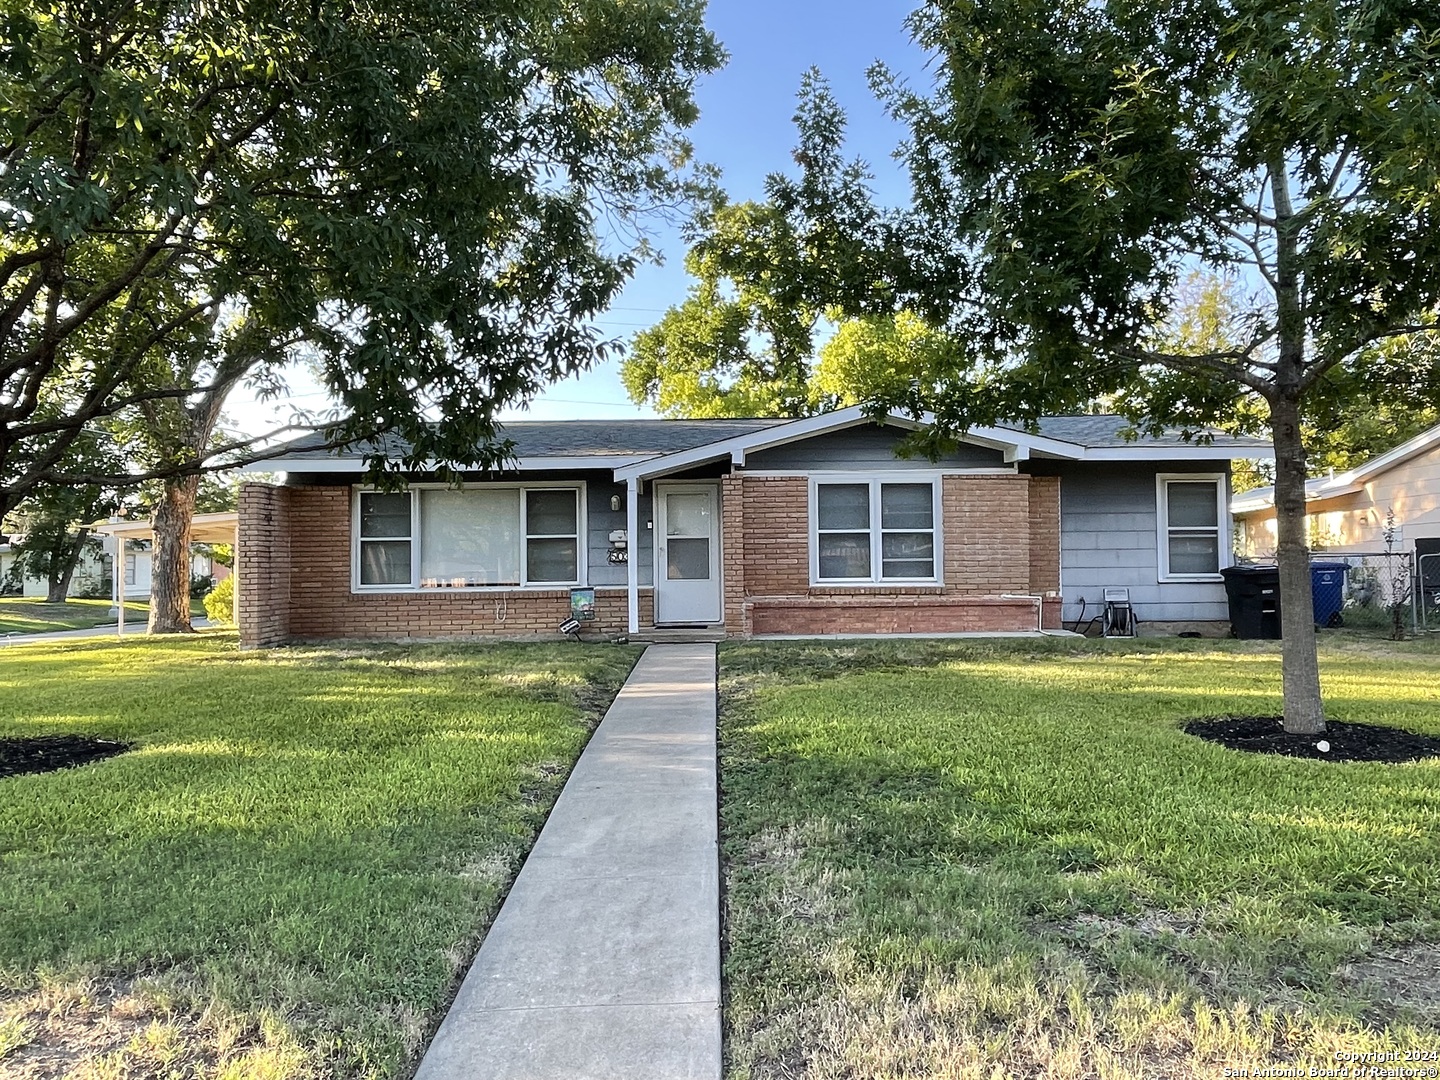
(582, 604)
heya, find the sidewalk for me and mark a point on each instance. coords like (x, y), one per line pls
(134, 628)
(604, 961)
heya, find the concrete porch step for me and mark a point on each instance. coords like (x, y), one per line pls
(681, 635)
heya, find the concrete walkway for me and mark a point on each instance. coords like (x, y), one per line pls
(605, 959)
(135, 628)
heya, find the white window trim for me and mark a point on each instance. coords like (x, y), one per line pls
(1162, 524)
(875, 480)
(581, 540)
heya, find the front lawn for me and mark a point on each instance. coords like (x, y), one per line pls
(289, 871)
(1005, 859)
(31, 615)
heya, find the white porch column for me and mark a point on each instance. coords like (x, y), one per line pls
(119, 576)
(632, 551)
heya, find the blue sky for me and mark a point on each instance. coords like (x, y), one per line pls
(745, 128)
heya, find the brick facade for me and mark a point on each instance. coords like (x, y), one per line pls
(1001, 536)
(1044, 534)
(1001, 539)
(262, 561)
(295, 584)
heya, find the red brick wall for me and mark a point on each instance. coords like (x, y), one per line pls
(295, 571)
(1044, 534)
(777, 535)
(732, 548)
(896, 615)
(987, 522)
(262, 596)
(987, 534)
(319, 604)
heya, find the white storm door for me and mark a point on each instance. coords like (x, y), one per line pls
(687, 553)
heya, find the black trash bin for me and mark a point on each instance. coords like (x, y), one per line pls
(1254, 595)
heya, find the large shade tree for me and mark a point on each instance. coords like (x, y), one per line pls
(431, 197)
(1075, 160)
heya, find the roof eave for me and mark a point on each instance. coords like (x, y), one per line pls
(356, 464)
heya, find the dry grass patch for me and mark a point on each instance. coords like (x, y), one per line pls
(136, 1029)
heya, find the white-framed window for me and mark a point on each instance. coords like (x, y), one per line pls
(874, 530)
(1192, 533)
(129, 569)
(479, 536)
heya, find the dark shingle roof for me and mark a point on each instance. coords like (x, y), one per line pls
(1105, 430)
(646, 438)
(582, 438)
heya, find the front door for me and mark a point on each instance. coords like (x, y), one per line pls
(687, 553)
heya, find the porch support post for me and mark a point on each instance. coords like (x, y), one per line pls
(632, 552)
(119, 576)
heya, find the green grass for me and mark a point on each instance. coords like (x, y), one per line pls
(29, 615)
(1005, 859)
(297, 858)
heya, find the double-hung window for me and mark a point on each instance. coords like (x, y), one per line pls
(1192, 525)
(467, 538)
(874, 531)
(386, 529)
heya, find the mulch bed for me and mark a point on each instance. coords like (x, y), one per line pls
(1345, 742)
(44, 753)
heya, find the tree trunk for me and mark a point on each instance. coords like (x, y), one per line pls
(1300, 668)
(63, 569)
(170, 558)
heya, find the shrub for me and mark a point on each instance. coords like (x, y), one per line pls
(220, 602)
(200, 585)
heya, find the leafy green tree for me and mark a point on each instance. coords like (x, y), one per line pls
(54, 524)
(1372, 403)
(431, 197)
(743, 343)
(1073, 163)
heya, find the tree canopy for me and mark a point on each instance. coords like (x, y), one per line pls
(431, 198)
(1072, 162)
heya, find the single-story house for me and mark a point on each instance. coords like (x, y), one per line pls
(1348, 511)
(740, 528)
(93, 576)
(137, 537)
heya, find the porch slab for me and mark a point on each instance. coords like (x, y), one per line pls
(944, 636)
(605, 958)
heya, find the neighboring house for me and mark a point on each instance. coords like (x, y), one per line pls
(744, 527)
(1348, 511)
(91, 576)
(136, 538)
(92, 572)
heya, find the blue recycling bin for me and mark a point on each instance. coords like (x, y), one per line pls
(1327, 583)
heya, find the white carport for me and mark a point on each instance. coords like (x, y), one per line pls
(221, 528)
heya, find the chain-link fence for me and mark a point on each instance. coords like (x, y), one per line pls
(1367, 590)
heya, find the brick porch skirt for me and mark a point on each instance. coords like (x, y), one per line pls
(894, 614)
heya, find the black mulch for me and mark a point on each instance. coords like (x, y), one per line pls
(1346, 742)
(42, 753)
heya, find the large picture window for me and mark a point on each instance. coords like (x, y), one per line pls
(469, 538)
(1192, 527)
(874, 531)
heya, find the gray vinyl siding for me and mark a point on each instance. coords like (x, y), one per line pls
(1108, 522)
(863, 449)
(602, 520)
